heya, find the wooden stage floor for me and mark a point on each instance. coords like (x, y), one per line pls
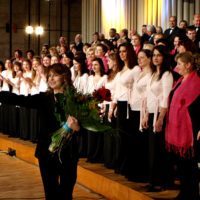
(95, 177)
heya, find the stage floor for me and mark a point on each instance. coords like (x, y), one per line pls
(95, 177)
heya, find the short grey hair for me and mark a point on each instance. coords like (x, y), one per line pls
(151, 28)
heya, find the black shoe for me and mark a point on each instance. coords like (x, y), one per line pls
(155, 188)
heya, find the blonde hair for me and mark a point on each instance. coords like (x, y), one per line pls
(188, 57)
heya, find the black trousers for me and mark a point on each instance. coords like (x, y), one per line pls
(58, 178)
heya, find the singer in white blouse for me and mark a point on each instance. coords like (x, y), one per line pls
(124, 82)
(81, 75)
(158, 89)
(7, 75)
(95, 140)
(137, 146)
(16, 80)
(98, 77)
(110, 136)
(26, 80)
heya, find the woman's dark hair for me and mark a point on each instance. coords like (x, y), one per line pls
(19, 52)
(30, 51)
(102, 68)
(87, 44)
(166, 64)
(131, 55)
(48, 56)
(147, 52)
(104, 47)
(82, 62)
(62, 70)
(189, 45)
(112, 73)
(2, 65)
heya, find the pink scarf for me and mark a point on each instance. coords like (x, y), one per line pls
(178, 132)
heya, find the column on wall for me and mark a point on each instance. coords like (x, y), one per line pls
(197, 6)
(91, 18)
(131, 15)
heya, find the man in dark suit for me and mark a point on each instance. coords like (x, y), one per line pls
(151, 30)
(112, 34)
(196, 24)
(124, 35)
(78, 41)
(171, 31)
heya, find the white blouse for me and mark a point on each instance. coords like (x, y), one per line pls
(43, 85)
(80, 83)
(15, 88)
(72, 73)
(91, 86)
(25, 89)
(138, 94)
(8, 75)
(158, 92)
(111, 85)
(124, 83)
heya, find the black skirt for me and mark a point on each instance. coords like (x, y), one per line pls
(121, 138)
(137, 150)
(109, 142)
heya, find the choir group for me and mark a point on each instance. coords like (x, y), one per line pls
(155, 86)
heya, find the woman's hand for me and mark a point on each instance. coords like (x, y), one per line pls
(198, 136)
(72, 123)
(115, 112)
(145, 121)
(159, 125)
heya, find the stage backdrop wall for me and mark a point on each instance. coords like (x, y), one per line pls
(101, 15)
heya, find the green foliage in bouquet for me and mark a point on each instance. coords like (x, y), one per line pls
(84, 107)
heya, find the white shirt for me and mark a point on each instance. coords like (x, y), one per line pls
(8, 75)
(124, 83)
(80, 83)
(158, 92)
(138, 94)
(15, 88)
(111, 85)
(24, 87)
(91, 86)
(72, 73)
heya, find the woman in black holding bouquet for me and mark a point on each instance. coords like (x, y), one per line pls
(63, 165)
(58, 170)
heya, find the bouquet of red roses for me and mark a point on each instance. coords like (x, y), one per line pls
(85, 108)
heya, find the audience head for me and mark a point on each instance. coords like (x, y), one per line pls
(196, 20)
(183, 24)
(172, 22)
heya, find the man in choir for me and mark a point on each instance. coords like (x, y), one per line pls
(192, 35)
(172, 30)
(112, 34)
(183, 24)
(95, 38)
(196, 24)
(124, 35)
(78, 41)
(151, 30)
(144, 36)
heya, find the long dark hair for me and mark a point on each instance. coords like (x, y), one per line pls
(166, 64)
(102, 68)
(131, 55)
(112, 73)
(82, 62)
(62, 70)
